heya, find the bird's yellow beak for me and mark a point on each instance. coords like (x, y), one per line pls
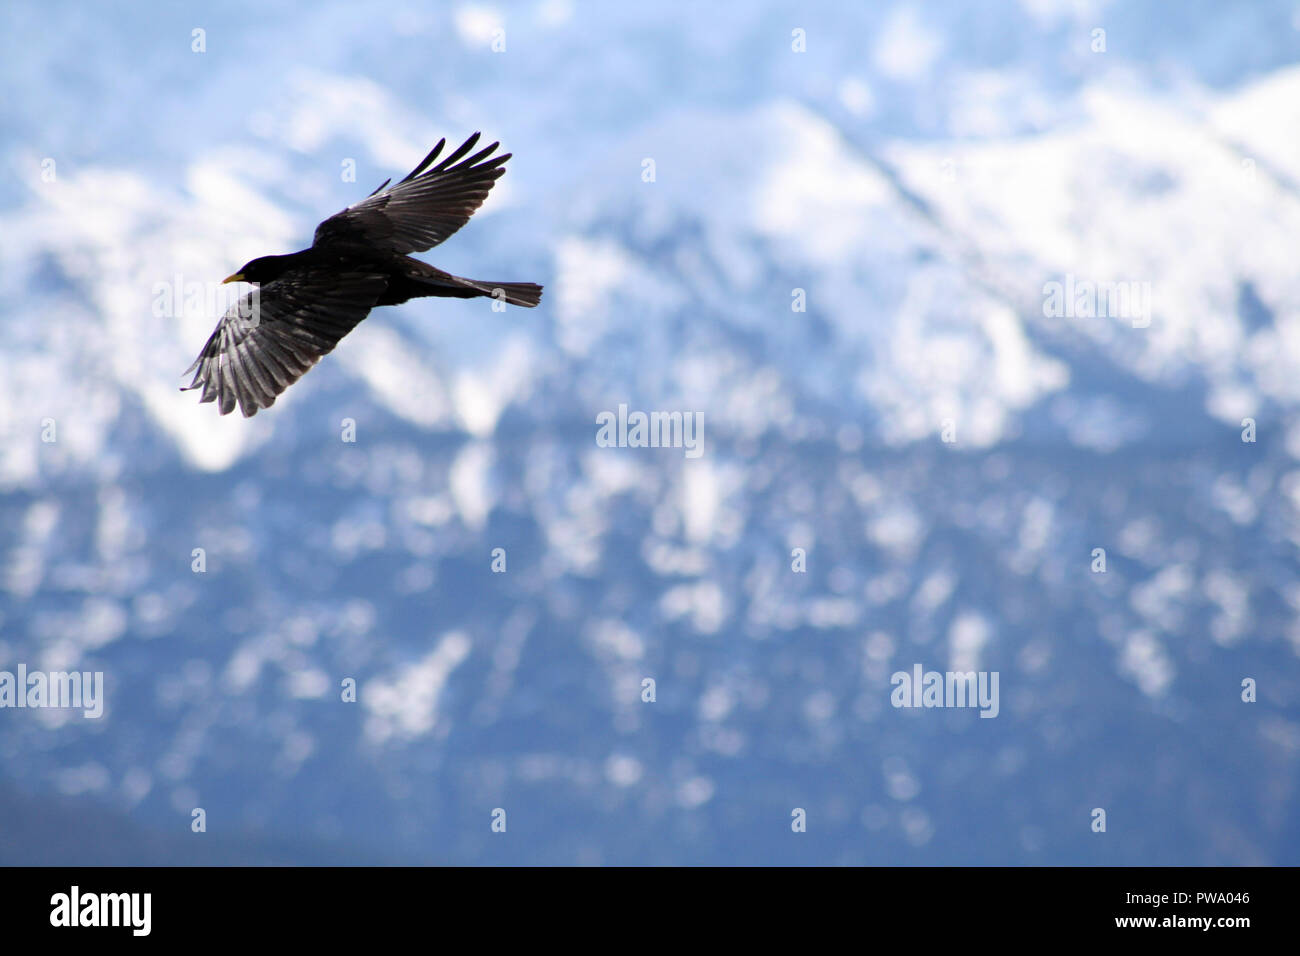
(237, 277)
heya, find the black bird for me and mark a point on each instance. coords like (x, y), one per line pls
(307, 301)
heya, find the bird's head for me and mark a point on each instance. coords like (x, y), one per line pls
(258, 270)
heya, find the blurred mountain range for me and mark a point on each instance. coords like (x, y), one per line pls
(684, 180)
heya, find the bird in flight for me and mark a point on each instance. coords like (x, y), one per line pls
(359, 259)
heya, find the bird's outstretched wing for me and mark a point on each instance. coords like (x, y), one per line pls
(424, 208)
(274, 335)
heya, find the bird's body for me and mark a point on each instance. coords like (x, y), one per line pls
(308, 300)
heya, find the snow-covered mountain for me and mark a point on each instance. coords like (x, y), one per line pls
(838, 256)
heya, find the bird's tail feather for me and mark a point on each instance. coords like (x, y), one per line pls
(527, 294)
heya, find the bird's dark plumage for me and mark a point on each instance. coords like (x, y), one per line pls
(307, 301)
